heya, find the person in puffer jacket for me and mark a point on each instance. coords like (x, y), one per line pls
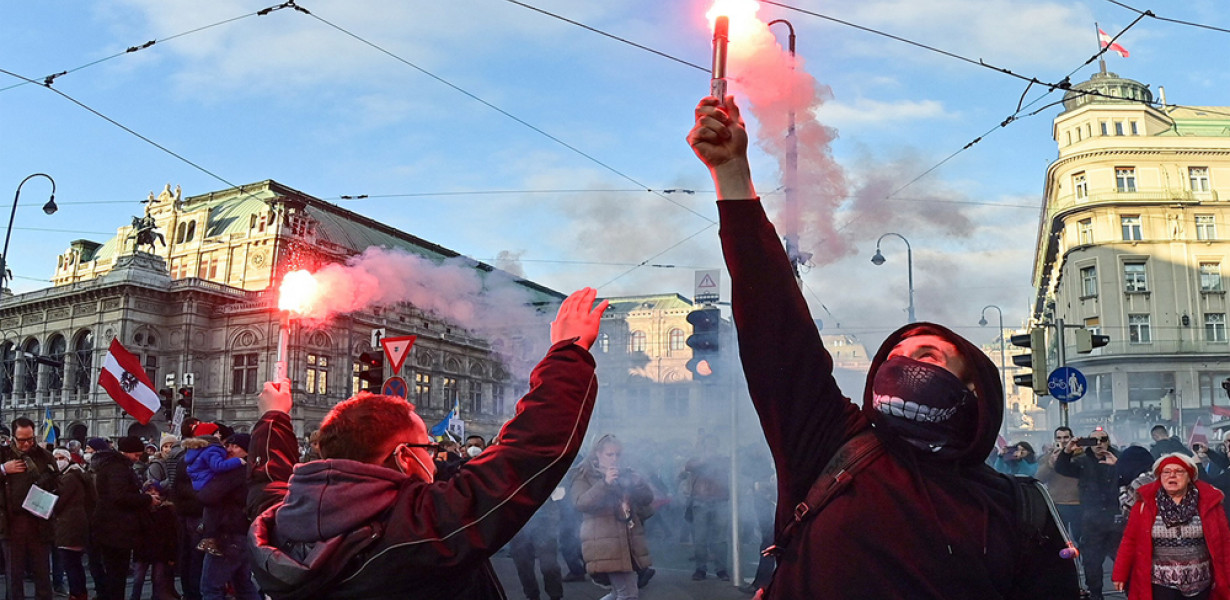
(206, 458)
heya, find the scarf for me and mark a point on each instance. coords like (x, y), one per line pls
(925, 405)
(1173, 514)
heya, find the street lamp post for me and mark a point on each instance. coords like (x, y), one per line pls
(49, 208)
(878, 259)
(1003, 349)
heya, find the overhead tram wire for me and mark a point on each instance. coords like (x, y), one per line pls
(609, 35)
(515, 118)
(645, 262)
(49, 79)
(1167, 19)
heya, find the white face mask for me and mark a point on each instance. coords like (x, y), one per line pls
(62, 463)
(474, 451)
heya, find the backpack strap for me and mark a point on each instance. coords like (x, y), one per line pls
(851, 457)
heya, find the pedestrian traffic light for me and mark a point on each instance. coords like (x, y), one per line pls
(185, 399)
(168, 401)
(704, 341)
(1035, 341)
(371, 370)
(1086, 341)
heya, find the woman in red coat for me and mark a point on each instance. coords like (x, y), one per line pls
(1177, 541)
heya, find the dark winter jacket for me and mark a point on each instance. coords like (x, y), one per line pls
(345, 529)
(224, 499)
(73, 509)
(122, 511)
(160, 542)
(41, 471)
(1098, 483)
(1169, 445)
(909, 525)
(1134, 563)
(180, 486)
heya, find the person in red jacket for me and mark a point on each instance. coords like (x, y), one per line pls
(1177, 541)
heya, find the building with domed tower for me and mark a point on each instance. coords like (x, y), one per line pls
(1132, 244)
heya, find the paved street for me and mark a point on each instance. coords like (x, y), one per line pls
(668, 584)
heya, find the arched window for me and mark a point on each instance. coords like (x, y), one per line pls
(56, 349)
(191, 231)
(675, 340)
(29, 378)
(83, 349)
(604, 343)
(8, 364)
(636, 341)
(179, 233)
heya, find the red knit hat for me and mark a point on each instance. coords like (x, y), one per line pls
(1175, 458)
(204, 428)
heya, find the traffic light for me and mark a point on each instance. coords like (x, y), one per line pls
(1086, 341)
(704, 341)
(1225, 385)
(371, 370)
(168, 401)
(185, 399)
(1035, 341)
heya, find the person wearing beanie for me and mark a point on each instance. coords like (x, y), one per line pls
(118, 513)
(207, 458)
(1177, 541)
(72, 521)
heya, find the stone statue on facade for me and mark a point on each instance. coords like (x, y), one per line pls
(145, 229)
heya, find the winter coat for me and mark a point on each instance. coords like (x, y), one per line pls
(160, 540)
(73, 509)
(909, 524)
(346, 529)
(122, 511)
(224, 499)
(15, 486)
(1016, 467)
(157, 470)
(1134, 563)
(206, 458)
(179, 486)
(612, 540)
(1169, 445)
(1098, 483)
(1063, 489)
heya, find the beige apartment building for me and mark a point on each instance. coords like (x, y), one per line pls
(1132, 244)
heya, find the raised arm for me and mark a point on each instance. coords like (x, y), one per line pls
(274, 451)
(789, 373)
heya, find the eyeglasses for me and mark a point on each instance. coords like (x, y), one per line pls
(431, 447)
(28, 440)
(1102, 440)
(1173, 472)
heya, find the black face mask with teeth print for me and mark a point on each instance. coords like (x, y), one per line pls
(925, 405)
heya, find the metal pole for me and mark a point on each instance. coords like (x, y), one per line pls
(878, 259)
(736, 564)
(1003, 353)
(49, 208)
(1061, 356)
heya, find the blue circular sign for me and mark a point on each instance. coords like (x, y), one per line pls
(395, 386)
(1066, 384)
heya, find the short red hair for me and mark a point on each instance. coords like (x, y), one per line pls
(364, 427)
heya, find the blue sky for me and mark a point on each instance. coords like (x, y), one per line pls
(287, 96)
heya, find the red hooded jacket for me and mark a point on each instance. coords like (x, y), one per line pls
(1134, 563)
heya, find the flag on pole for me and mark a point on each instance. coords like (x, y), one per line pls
(49, 427)
(126, 382)
(1200, 434)
(440, 428)
(1105, 40)
(1221, 411)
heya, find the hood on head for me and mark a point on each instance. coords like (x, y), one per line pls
(987, 386)
(328, 498)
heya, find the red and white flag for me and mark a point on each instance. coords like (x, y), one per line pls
(124, 378)
(1105, 40)
(1200, 434)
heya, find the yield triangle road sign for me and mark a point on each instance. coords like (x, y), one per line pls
(397, 349)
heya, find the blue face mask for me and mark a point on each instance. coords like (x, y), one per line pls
(925, 404)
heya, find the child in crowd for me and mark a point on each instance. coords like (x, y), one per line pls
(205, 458)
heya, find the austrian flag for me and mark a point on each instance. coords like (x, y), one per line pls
(1105, 40)
(123, 378)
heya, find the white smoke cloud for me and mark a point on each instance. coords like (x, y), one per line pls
(491, 306)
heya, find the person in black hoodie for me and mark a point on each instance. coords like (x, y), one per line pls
(1164, 443)
(927, 518)
(368, 521)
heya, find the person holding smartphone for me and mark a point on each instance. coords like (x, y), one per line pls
(1098, 482)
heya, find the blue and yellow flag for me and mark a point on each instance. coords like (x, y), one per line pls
(49, 427)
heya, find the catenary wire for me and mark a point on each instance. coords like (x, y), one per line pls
(1167, 19)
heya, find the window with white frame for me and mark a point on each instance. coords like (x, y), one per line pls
(422, 389)
(675, 340)
(1139, 330)
(1210, 277)
(317, 380)
(1198, 177)
(1215, 327)
(1125, 179)
(449, 387)
(1135, 278)
(1080, 185)
(1089, 281)
(1104, 129)
(1135, 129)
(1118, 127)
(1084, 231)
(1206, 227)
(1130, 224)
(243, 373)
(636, 341)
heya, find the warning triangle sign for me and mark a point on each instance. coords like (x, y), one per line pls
(397, 349)
(707, 282)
